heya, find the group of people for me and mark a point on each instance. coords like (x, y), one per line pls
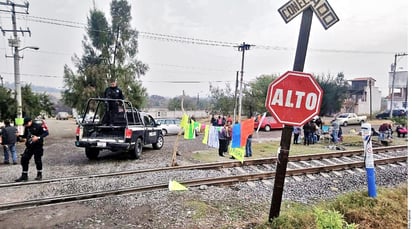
(34, 134)
(225, 135)
(221, 120)
(312, 131)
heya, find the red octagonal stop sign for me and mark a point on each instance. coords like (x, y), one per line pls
(294, 98)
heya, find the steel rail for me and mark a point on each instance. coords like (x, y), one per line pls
(228, 180)
(212, 165)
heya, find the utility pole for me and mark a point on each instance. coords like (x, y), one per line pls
(236, 87)
(242, 48)
(393, 81)
(14, 43)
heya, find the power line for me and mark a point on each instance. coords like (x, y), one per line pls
(194, 41)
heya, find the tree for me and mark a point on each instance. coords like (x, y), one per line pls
(335, 91)
(33, 104)
(109, 53)
(7, 104)
(222, 100)
(255, 94)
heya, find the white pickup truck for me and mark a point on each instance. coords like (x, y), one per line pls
(345, 119)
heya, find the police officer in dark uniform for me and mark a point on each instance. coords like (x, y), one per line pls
(112, 92)
(34, 133)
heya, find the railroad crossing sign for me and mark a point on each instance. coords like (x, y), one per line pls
(294, 98)
(321, 8)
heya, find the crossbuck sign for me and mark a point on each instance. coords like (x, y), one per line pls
(321, 8)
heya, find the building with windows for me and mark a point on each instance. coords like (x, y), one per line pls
(398, 90)
(364, 97)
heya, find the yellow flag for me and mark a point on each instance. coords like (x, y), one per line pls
(184, 121)
(206, 135)
(176, 186)
(238, 153)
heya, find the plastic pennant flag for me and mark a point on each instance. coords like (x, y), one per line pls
(236, 133)
(238, 153)
(206, 135)
(176, 186)
(247, 128)
(190, 131)
(185, 121)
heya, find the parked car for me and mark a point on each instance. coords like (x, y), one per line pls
(169, 126)
(62, 116)
(395, 113)
(269, 123)
(345, 119)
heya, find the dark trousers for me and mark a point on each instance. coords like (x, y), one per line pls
(28, 153)
(222, 146)
(296, 138)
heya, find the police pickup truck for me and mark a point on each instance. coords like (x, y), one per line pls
(128, 130)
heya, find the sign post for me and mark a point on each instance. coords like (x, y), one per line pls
(369, 164)
(275, 96)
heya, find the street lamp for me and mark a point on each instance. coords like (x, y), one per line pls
(17, 82)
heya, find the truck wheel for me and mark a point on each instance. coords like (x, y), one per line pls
(159, 143)
(138, 148)
(267, 128)
(92, 153)
(345, 124)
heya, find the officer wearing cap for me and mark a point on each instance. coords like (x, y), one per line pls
(34, 133)
(112, 92)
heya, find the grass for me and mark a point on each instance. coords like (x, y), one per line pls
(348, 211)
(388, 210)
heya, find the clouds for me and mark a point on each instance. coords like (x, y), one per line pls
(362, 43)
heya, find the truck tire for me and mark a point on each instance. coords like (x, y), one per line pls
(92, 153)
(138, 148)
(267, 128)
(159, 143)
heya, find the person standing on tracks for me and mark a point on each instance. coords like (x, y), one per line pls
(34, 133)
(9, 139)
(112, 92)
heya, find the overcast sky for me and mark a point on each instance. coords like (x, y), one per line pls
(362, 44)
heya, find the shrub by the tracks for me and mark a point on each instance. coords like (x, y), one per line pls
(352, 210)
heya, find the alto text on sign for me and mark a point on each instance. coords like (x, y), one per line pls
(309, 100)
(294, 98)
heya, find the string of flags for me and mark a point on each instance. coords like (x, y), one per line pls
(240, 133)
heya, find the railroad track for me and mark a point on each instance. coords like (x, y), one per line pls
(232, 172)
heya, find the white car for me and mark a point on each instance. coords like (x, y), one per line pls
(62, 116)
(169, 126)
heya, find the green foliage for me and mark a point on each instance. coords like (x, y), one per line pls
(222, 100)
(109, 53)
(189, 103)
(330, 219)
(400, 120)
(33, 104)
(7, 104)
(334, 93)
(255, 94)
